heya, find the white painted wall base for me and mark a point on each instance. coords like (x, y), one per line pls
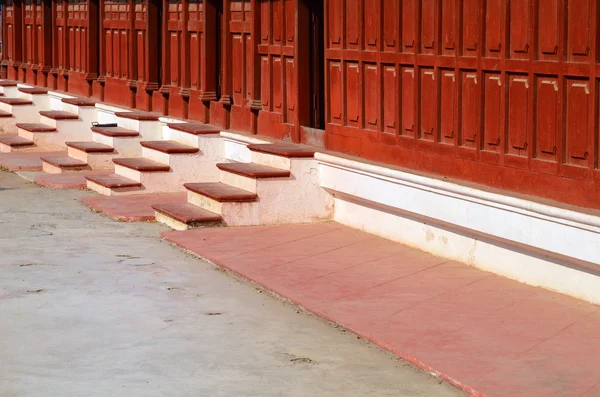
(533, 243)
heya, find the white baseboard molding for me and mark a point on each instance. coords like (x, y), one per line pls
(535, 243)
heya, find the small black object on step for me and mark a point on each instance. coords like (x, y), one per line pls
(96, 124)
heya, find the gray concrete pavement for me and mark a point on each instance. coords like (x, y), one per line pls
(95, 308)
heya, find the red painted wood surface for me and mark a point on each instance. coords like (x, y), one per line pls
(36, 42)
(500, 93)
(189, 69)
(12, 36)
(503, 93)
(75, 56)
(129, 51)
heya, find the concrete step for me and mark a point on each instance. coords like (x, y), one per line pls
(12, 142)
(141, 164)
(80, 101)
(220, 198)
(59, 115)
(90, 147)
(35, 127)
(16, 101)
(279, 155)
(57, 165)
(191, 134)
(115, 132)
(169, 147)
(185, 216)
(33, 90)
(97, 155)
(5, 114)
(245, 175)
(112, 184)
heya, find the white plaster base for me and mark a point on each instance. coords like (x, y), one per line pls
(534, 243)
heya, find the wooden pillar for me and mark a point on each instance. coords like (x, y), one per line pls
(254, 85)
(220, 111)
(12, 53)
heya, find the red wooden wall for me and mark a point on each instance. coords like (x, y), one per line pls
(503, 93)
(498, 92)
(11, 38)
(36, 41)
(75, 62)
(129, 56)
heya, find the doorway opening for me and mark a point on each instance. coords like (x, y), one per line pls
(317, 64)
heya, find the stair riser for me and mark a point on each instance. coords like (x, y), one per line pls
(180, 136)
(172, 223)
(155, 182)
(204, 202)
(125, 147)
(211, 146)
(235, 146)
(159, 157)
(8, 149)
(41, 101)
(10, 92)
(270, 160)
(52, 169)
(21, 114)
(96, 161)
(69, 130)
(149, 130)
(238, 181)
(44, 140)
(114, 192)
(86, 113)
(8, 125)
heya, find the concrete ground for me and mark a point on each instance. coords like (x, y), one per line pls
(92, 307)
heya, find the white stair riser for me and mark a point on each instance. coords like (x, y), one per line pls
(21, 114)
(96, 161)
(159, 157)
(149, 130)
(8, 125)
(204, 202)
(238, 181)
(271, 160)
(172, 223)
(41, 101)
(125, 147)
(71, 130)
(10, 92)
(113, 192)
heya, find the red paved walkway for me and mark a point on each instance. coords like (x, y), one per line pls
(66, 180)
(487, 334)
(26, 161)
(132, 208)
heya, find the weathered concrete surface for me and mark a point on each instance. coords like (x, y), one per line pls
(92, 307)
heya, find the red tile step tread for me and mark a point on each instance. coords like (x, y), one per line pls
(59, 115)
(16, 101)
(90, 147)
(8, 83)
(221, 192)
(142, 164)
(284, 150)
(115, 132)
(187, 213)
(253, 170)
(79, 101)
(36, 127)
(64, 162)
(14, 140)
(112, 181)
(169, 147)
(195, 128)
(5, 114)
(142, 116)
(33, 90)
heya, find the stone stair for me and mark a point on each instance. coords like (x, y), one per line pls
(57, 126)
(278, 186)
(186, 152)
(106, 143)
